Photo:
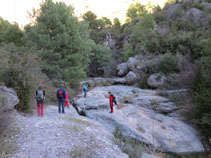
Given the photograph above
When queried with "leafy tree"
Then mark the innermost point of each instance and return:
(202, 89)
(60, 40)
(144, 33)
(99, 59)
(10, 33)
(19, 70)
(135, 12)
(106, 21)
(97, 26)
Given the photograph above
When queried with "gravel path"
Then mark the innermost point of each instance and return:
(63, 136)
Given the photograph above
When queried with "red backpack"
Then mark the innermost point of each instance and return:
(61, 94)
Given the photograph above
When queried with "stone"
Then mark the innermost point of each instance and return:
(156, 80)
(122, 69)
(131, 78)
(141, 119)
(8, 98)
(194, 15)
(131, 63)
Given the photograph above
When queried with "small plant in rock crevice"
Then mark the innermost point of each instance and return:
(128, 145)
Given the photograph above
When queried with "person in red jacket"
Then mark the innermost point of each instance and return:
(111, 100)
(66, 104)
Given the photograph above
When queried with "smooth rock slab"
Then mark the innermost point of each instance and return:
(162, 132)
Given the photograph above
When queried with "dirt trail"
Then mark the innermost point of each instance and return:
(63, 136)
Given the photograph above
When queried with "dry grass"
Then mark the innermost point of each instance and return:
(8, 133)
(127, 99)
(80, 152)
(120, 106)
(74, 128)
(75, 120)
(141, 130)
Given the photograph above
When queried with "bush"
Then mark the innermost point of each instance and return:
(199, 5)
(128, 145)
(202, 89)
(168, 63)
(127, 52)
(20, 71)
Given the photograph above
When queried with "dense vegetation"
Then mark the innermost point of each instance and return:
(56, 47)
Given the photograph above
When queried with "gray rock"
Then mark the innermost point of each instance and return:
(171, 11)
(131, 63)
(138, 119)
(109, 42)
(159, 104)
(131, 78)
(163, 30)
(195, 15)
(119, 80)
(122, 69)
(8, 98)
(207, 5)
(146, 155)
(156, 80)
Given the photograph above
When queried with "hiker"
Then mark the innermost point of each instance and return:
(61, 95)
(84, 89)
(66, 101)
(40, 95)
(112, 100)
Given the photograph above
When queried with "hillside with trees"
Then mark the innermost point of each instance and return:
(57, 47)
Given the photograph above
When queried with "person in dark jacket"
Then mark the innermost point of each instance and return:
(40, 95)
(111, 99)
(61, 95)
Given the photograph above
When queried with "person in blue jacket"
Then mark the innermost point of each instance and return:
(61, 95)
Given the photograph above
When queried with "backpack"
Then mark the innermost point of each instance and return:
(114, 100)
(40, 95)
(60, 94)
(84, 88)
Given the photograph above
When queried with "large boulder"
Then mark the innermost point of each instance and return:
(157, 103)
(156, 80)
(171, 11)
(131, 78)
(8, 98)
(122, 69)
(141, 118)
(195, 15)
(131, 63)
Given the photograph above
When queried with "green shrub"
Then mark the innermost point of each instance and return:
(168, 63)
(2, 101)
(202, 89)
(128, 145)
(143, 84)
(199, 5)
(20, 71)
(127, 52)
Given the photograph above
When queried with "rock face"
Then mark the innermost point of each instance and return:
(131, 78)
(8, 98)
(195, 15)
(122, 69)
(141, 118)
(109, 42)
(156, 81)
(131, 63)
